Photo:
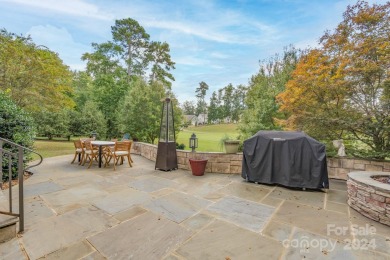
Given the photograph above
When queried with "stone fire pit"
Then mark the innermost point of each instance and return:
(368, 196)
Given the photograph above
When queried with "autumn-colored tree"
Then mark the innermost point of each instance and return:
(341, 89)
(314, 97)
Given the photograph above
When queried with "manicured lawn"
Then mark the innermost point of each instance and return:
(53, 148)
(209, 136)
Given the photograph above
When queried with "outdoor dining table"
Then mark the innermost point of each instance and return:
(100, 144)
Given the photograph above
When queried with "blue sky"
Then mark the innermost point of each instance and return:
(215, 41)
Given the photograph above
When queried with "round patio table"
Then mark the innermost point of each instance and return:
(100, 144)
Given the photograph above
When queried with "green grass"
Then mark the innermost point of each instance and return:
(209, 136)
(53, 148)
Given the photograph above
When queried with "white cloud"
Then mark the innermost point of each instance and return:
(192, 29)
(190, 61)
(232, 31)
(305, 44)
(61, 41)
(69, 7)
(201, 19)
(219, 55)
(217, 67)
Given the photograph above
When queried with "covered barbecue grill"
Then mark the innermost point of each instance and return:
(292, 159)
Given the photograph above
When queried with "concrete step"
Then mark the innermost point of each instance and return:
(7, 227)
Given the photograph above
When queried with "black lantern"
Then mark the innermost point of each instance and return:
(166, 151)
(93, 135)
(193, 142)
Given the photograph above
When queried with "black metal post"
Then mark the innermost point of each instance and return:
(21, 196)
(100, 156)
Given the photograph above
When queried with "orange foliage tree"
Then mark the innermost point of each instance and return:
(341, 90)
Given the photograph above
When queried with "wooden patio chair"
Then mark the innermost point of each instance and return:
(91, 153)
(79, 151)
(131, 143)
(121, 150)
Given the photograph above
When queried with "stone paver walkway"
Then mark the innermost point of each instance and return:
(138, 213)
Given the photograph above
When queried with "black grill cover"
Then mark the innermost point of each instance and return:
(292, 159)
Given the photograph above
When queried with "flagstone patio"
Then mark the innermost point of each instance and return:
(72, 212)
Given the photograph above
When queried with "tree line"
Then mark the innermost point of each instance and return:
(225, 105)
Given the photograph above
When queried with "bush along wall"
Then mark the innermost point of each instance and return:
(17, 126)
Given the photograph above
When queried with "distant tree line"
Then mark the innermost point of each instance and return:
(225, 105)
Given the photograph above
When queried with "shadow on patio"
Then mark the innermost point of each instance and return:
(72, 212)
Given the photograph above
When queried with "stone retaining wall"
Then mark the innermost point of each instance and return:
(217, 162)
(369, 200)
(338, 168)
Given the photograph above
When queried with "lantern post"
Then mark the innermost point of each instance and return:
(193, 142)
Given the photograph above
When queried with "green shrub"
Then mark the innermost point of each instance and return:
(52, 124)
(226, 137)
(17, 126)
(180, 146)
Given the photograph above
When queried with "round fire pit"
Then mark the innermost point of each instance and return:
(382, 178)
(370, 195)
